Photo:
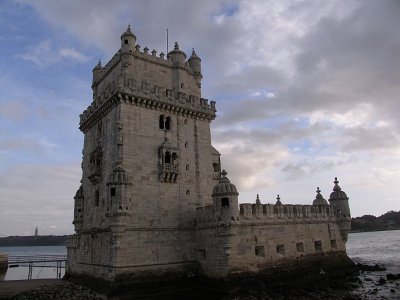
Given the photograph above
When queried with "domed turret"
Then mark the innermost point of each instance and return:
(225, 198)
(195, 63)
(97, 73)
(337, 193)
(319, 199)
(340, 204)
(128, 40)
(339, 200)
(78, 210)
(224, 186)
(176, 55)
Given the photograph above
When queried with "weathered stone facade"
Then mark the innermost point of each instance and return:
(153, 199)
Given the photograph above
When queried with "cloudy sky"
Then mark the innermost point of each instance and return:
(305, 91)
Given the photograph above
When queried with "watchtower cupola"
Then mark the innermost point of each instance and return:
(97, 73)
(225, 196)
(319, 199)
(177, 56)
(195, 63)
(340, 204)
(128, 41)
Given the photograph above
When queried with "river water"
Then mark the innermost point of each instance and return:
(47, 270)
(381, 247)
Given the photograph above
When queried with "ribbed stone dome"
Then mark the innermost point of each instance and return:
(224, 186)
(319, 199)
(128, 32)
(337, 193)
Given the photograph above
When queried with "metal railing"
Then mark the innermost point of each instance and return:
(33, 260)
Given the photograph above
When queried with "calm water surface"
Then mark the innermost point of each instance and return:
(21, 272)
(381, 247)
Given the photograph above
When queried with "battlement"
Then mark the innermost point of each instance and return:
(132, 76)
(269, 213)
(178, 103)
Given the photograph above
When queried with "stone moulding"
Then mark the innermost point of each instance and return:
(89, 119)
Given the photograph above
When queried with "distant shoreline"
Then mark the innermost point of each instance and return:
(41, 240)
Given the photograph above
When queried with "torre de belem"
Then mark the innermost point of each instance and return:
(154, 199)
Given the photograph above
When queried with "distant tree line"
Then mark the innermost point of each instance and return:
(41, 240)
(387, 221)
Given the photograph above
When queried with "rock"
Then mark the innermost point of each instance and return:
(375, 267)
(382, 281)
(391, 276)
(367, 279)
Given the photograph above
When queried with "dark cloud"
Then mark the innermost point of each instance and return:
(302, 87)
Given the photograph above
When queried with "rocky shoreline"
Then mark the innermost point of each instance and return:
(368, 282)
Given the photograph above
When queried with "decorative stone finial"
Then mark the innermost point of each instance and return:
(146, 50)
(278, 200)
(162, 55)
(224, 173)
(129, 28)
(258, 199)
(319, 199)
(336, 187)
(154, 52)
(176, 46)
(137, 47)
(99, 63)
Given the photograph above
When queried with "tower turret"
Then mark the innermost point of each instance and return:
(340, 204)
(225, 198)
(319, 199)
(128, 41)
(78, 210)
(195, 63)
(97, 73)
(177, 56)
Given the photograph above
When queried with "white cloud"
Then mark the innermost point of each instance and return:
(44, 54)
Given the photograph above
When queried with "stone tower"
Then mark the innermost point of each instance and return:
(340, 204)
(147, 164)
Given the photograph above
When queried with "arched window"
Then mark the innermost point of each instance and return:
(164, 122)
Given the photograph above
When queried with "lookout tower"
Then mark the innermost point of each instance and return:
(147, 163)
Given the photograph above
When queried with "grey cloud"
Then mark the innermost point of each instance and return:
(37, 195)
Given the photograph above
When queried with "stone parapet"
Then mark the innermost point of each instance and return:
(191, 107)
(270, 213)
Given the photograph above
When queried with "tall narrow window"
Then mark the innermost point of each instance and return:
(96, 198)
(216, 167)
(113, 191)
(167, 158)
(161, 122)
(168, 123)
